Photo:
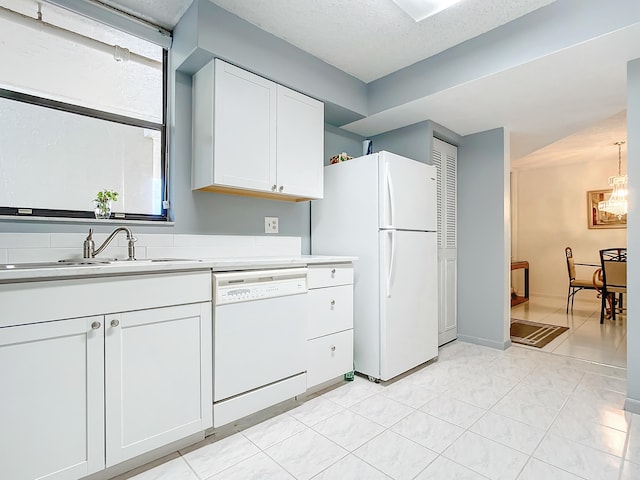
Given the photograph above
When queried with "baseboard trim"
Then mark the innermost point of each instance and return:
(485, 342)
(632, 405)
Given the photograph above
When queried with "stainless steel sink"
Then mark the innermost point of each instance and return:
(88, 262)
(153, 260)
(62, 263)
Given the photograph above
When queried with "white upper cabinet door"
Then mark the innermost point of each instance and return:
(158, 378)
(300, 144)
(244, 129)
(52, 401)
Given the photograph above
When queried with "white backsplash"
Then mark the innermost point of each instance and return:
(39, 247)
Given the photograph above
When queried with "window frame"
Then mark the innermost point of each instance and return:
(27, 212)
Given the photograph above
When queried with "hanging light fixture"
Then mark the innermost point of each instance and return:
(616, 204)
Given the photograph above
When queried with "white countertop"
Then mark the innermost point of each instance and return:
(125, 267)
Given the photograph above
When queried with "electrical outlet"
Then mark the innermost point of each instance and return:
(270, 224)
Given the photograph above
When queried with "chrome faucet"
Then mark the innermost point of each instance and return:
(89, 247)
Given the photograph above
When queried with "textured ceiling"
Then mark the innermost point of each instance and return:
(372, 38)
(365, 38)
(596, 141)
(164, 13)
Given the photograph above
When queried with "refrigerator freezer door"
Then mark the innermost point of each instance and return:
(408, 300)
(407, 194)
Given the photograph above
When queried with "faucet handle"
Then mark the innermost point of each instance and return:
(131, 240)
(89, 246)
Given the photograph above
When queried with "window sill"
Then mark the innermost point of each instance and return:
(115, 221)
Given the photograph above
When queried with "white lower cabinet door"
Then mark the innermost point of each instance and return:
(329, 357)
(158, 378)
(51, 400)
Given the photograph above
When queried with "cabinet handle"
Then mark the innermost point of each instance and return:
(274, 188)
(333, 348)
(281, 188)
(95, 325)
(115, 323)
(333, 303)
(333, 272)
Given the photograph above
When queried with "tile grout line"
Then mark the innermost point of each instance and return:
(625, 448)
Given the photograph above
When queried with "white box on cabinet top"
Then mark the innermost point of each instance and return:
(254, 137)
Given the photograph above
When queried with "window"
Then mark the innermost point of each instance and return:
(82, 109)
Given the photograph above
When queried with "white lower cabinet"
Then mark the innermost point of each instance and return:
(83, 394)
(52, 400)
(330, 323)
(154, 363)
(329, 357)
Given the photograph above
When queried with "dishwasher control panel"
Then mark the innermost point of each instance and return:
(247, 286)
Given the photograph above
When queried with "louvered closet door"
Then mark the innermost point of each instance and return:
(445, 159)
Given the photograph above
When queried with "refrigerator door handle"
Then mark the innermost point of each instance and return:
(392, 238)
(389, 182)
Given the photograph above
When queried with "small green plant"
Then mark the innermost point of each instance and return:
(103, 202)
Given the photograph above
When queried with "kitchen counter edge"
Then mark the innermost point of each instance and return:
(132, 268)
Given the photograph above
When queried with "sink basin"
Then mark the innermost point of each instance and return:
(154, 260)
(62, 263)
(124, 261)
(83, 262)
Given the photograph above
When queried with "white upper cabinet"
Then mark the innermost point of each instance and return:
(254, 137)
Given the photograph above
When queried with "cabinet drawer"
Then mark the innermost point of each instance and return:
(330, 310)
(329, 357)
(330, 275)
(32, 302)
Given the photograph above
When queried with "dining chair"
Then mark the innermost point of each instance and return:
(614, 280)
(576, 284)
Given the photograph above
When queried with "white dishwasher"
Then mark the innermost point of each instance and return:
(259, 338)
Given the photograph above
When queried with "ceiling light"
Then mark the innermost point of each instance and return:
(616, 204)
(421, 9)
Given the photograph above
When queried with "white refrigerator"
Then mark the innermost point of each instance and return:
(382, 208)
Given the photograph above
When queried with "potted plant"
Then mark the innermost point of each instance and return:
(103, 201)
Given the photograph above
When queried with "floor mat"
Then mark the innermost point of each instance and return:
(534, 334)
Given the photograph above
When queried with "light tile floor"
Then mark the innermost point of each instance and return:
(586, 339)
(475, 413)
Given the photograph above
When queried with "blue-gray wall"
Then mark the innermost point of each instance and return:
(415, 141)
(337, 141)
(482, 270)
(411, 142)
(633, 236)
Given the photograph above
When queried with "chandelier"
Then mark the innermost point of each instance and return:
(616, 204)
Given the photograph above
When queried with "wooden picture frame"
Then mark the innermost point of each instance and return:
(596, 218)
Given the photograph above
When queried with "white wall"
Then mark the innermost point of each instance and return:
(632, 402)
(550, 213)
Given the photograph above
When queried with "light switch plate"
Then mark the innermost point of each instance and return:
(270, 224)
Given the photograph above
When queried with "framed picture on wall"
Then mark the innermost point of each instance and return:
(600, 219)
